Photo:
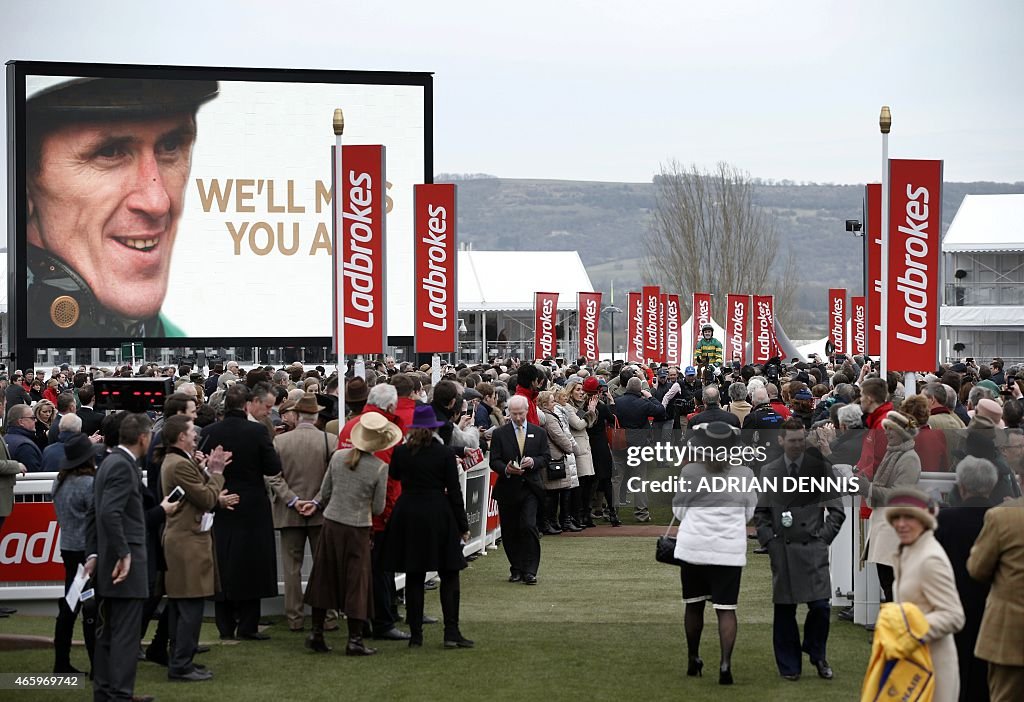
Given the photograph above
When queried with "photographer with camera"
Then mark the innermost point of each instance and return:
(680, 399)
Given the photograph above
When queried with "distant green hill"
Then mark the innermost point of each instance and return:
(606, 223)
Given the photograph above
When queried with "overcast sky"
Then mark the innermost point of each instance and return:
(609, 91)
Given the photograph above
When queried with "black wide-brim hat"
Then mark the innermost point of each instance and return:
(115, 98)
(77, 452)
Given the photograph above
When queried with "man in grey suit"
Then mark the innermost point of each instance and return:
(794, 528)
(116, 542)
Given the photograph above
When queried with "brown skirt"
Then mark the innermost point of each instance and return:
(340, 578)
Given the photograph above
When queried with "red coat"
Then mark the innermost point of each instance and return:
(531, 398)
(394, 487)
(930, 445)
(51, 395)
(874, 447)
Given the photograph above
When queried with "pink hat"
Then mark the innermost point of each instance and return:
(992, 410)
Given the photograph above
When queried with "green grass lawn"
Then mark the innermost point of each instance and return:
(605, 623)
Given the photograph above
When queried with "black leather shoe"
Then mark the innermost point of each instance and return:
(515, 578)
(461, 642)
(530, 579)
(570, 527)
(724, 676)
(415, 642)
(550, 530)
(761, 549)
(316, 643)
(791, 678)
(201, 649)
(194, 675)
(8, 610)
(393, 634)
(356, 647)
(695, 667)
(257, 636)
(427, 619)
(824, 669)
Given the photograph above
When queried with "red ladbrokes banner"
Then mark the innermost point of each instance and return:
(837, 318)
(363, 191)
(436, 323)
(912, 289)
(701, 314)
(765, 346)
(858, 325)
(738, 310)
(589, 315)
(652, 322)
(873, 234)
(635, 328)
(545, 307)
(30, 545)
(673, 325)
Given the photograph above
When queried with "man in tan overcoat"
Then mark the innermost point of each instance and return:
(305, 452)
(998, 558)
(188, 541)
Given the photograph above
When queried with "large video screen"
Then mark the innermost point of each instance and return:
(169, 203)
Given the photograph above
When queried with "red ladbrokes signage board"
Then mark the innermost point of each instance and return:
(873, 234)
(858, 325)
(765, 346)
(837, 318)
(436, 314)
(652, 322)
(738, 309)
(30, 545)
(545, 310)
(635, 327)
(362, 248)
(915, 236)
(589, 314)
(673, 325)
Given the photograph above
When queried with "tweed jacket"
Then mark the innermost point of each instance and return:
(305, 453)
(191, 563)
(998, 557)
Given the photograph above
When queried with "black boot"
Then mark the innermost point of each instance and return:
(569, 525)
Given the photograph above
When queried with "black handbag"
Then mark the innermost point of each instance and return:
(665, 549)
(556, 469)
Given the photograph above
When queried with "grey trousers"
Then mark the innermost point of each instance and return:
(117, 648)
(185, 620)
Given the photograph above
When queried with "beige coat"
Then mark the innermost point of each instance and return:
(560, 444)
(578, 428)
(924, 576)
(882, 540)
(305, 453)
(191, 561)
(998, 557)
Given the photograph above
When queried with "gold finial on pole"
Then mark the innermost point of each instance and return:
(339, 122)
(884, 120)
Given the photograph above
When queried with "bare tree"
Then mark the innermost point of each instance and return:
(709, 236)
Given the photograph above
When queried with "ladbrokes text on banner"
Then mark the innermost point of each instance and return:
(30, 544)
(436, 254)
(912, 290)
(545, 310)
(701, 314)
(661, 327)
(673, 324)
(858, 325)
(837, 318)
(589, 314)
(635, 328)
(873, 235)
(652, 322)
(362, 248)
(737, 307)
(765, 346)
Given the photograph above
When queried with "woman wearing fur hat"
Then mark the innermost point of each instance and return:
(900, 468)
(925, 578)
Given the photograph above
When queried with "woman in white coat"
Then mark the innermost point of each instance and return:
(925, 578)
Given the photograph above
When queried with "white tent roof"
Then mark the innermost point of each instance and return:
(490, 281)
(987, 223)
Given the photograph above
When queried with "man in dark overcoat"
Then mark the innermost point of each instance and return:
(116, 543)
(246, 550)
(519, 450)
(797, 529)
